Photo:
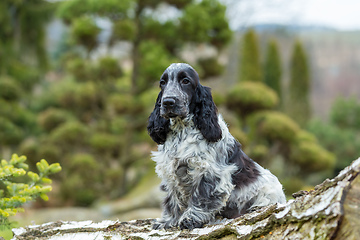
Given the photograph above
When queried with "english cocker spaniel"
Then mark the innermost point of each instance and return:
(203, 169)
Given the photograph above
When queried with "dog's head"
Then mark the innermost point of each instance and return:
(182, 95)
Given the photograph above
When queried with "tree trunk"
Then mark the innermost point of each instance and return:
(330, 211)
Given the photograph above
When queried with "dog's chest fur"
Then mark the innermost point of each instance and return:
(186, 157)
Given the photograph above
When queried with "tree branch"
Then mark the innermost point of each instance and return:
(330, 211)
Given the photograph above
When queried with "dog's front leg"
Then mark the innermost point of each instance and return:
(171, 212)
(207, 199)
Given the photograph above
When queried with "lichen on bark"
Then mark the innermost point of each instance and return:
(330, 211)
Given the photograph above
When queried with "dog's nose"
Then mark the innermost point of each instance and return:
(168, 102)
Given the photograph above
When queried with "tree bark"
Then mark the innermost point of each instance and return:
(330, 211)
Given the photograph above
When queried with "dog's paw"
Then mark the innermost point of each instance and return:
(190, 224)
(161, 225)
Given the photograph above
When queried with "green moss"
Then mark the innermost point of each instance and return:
(248, 97)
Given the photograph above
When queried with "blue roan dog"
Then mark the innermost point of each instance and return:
(203, 169)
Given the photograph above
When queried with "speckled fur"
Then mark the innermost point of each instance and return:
(204, 175)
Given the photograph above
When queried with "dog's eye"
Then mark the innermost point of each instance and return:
(162, 82)
(185, 81)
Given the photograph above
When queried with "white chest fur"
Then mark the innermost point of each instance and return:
(185, 145)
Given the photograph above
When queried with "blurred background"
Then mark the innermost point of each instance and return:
(79, 78)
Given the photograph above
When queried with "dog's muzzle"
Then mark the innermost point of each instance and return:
(170, 108)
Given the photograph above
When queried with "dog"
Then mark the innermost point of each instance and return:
(203, 169)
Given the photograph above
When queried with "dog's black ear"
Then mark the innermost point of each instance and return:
(158, 127)
(205, 115)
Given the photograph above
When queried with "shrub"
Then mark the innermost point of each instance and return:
(9, 132)
(69, 133)
(81, 69)
(248, 97)
(312, 157)
(84, 32)
(123, 29)
(108, 68)
(9, 89)
(121, 103)
(274, 126)
(343, 142)
(15, 194)
(210, 67)
(105, 142)
(345, 113)
(52, 118)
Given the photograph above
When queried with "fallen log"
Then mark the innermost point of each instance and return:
(330, 211)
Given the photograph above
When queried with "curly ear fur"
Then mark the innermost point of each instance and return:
(158, 127)
(205, 115)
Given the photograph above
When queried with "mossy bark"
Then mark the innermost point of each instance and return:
(330, 211)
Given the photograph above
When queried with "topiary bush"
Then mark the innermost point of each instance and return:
(312, 157)
(70, 133)
(274, 126)
(52, 118)
(10, 90)
(84, 32)
(210, 67)
(108, 68)
(123, 29)
(247, 97)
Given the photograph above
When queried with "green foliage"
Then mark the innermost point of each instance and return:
(274, 126)
(250, 68)
(9, 89)
(312, 157)
(247, 97)
(210, 67)
(14, 194)
(71, 9)
(52, 118)
(343, 142)
(123, 29)
(108, 68)
(84, 32)
(70, 133)
(81, 69)
(345, 113)
(272, 68)
(299, 102)
(154, 59)
(9, 132)
(205, 21)
(105, 142)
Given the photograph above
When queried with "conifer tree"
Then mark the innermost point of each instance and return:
(299, 105)
(272, 68)
(250, 69)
